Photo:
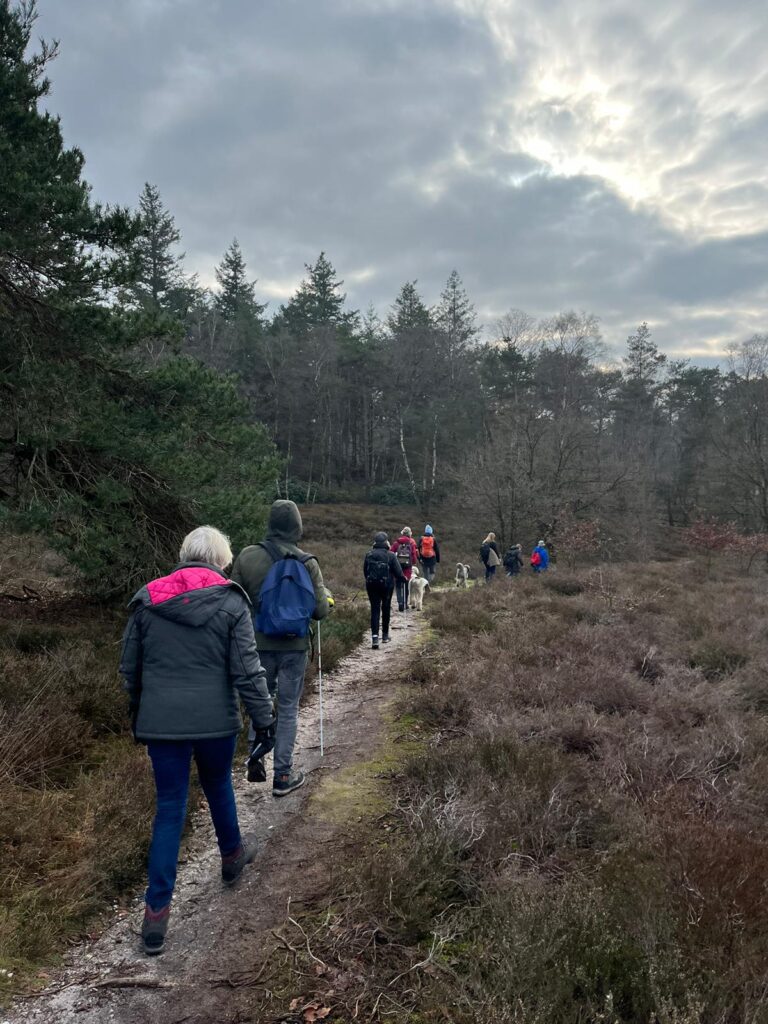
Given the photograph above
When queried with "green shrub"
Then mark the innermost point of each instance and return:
(391, 495)
(717, 658)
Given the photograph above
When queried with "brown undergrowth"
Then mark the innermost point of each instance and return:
(76, 793)
(585, 837)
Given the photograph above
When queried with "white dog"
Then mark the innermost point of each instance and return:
(417, 587)
(462, 574)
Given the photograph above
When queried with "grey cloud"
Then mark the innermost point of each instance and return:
(385, 133)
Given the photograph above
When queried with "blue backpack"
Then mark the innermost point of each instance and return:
(287, 596)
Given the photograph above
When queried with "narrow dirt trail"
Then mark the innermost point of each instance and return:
(216, 932)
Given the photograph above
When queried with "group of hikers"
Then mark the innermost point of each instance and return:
(513, 558)
(389, 567)
(198, 642)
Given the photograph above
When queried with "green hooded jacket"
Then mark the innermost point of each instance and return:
(253, 563)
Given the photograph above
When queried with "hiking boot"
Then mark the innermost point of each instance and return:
(375, 642)
(285, 784)
(153, 929)
(232, 865)
(386, 638)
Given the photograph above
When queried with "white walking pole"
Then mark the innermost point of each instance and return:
(320, 686)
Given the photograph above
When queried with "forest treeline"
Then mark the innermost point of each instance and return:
(529, 425)
(135, 401)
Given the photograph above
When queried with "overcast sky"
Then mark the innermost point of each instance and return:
(604, 155)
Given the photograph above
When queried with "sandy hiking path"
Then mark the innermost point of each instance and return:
(216, 933)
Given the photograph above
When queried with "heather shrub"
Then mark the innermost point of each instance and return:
(584, 837)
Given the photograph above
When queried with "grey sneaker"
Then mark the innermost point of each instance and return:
(232, 865)
(285, 784)
(153, 929)
(375, 642)
(386, 638)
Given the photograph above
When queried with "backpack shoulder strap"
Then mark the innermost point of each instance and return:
(272, 550)
(277, 555)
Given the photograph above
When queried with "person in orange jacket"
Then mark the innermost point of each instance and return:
(429, 553)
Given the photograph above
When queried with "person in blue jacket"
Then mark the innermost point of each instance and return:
(540, 557)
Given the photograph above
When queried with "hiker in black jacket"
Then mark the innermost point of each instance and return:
(382, 570)
(513, 560)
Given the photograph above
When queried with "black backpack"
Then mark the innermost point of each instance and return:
(377, 569)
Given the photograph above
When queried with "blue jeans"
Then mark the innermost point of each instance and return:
(171, 762)
(285, 677)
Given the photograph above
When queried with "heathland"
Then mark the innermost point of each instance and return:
(575, 829)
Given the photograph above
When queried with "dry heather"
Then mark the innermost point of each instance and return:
(585, 837)
(73, 837)
(71, 833)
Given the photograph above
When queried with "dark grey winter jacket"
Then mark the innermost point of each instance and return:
(380, 552)
(188, 653)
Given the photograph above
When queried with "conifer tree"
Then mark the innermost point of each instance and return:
(236, 299)
(158, 275)
(643, 360)
(319, 301)
(408, 311)
(455, 315)
(109, 457)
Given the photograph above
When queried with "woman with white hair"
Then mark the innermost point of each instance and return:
(188, 654)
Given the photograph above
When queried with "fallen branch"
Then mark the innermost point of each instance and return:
(133, 983)
(285, 942)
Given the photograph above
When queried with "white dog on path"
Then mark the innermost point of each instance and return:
(417, 587)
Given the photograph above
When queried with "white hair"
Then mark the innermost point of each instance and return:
(206, 544)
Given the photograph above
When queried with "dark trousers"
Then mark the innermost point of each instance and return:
(402, 594)
(381, 606)
(490, 572)
(171, 763)
(430, 568)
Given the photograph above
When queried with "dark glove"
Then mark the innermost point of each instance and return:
(263, 742)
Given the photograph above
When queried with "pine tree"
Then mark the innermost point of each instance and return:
(236, 299)
(110, 458)
(56, 247)
(455, 315)
(158, 268)
(408, 311)
(319, 301)
(643, 361)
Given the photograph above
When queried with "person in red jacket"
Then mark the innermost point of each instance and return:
(407, 555)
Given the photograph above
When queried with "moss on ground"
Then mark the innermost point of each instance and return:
(362, 791)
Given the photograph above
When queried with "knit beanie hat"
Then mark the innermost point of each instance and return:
(407, 531)
(428, 530)
(381, 540)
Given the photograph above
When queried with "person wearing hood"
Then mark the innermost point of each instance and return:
(429, 553)
(188, 654)
(513, 560)
(540, 557)
(284, 657)
(382, 571)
